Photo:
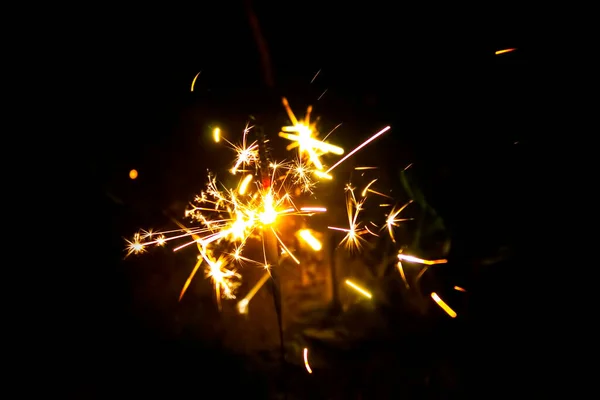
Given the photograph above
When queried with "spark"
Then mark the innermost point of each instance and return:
(458, 288)
(315, 77)
(244, 184)
(420, 260)
(303, 134)
(333, 130)
(364, 192)
(322, 94)
(306, 361)
(504, 51)
(392, 221)
(364, 168)
(353, 238)
(133, 174)
(313, 242)
(358, 289)
(194, 81)
(363, 144)
(227, 216)
(443, 305)
(242, 305)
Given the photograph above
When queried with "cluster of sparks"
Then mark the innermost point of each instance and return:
(227, 218)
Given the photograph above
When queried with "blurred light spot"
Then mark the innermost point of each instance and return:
(498, 52)
(217, 135)
(133, 174)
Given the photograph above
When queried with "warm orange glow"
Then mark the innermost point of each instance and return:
(504, 51)
(133, 174)
(459, 289)
(443, 305)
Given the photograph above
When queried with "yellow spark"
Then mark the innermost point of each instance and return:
(392, 221)
(133, 174)
(312, 241)
(498, 52)
(459, 289)
(353, 238)
(322, 175)
(443, 305)
(364, 192)
(306, 361)
(303, 135)
(363, 144)
(364, 168)
(242, 305)
(244, 184)
(420, 260)
(358, 289)
(135, 246)
(217, 135)
(194, 81)
(401, 269)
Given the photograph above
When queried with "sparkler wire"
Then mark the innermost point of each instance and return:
(270, 242)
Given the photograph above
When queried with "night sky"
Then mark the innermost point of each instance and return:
(462, 115)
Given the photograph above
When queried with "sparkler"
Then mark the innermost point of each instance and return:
(228, 218)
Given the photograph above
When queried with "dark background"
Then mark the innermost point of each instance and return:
(468, 119)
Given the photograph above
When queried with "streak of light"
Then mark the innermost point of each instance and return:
(217, 135)
(366, 142)
(133, 174)
(407, 167)
(285, 248)
(379, 193)
(194, 81)
(242, 305)
(401, 269)
(385, 205)
(322, 175)
(459, 289)
(420, 260)
(312, 241)
(331, 131)
(322, 94)
(313, 209)
(443, 305)
(244, 184)
(315, 77)
(364, 192)
(504, 51)
(358, 289)
(364, 168)
(392, 221)
(306, 361)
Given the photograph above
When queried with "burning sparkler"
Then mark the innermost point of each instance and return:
(228, 218)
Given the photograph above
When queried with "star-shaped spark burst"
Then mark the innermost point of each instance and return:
(303, 135)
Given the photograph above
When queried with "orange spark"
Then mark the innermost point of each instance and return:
(443, 305)
(498, 52)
